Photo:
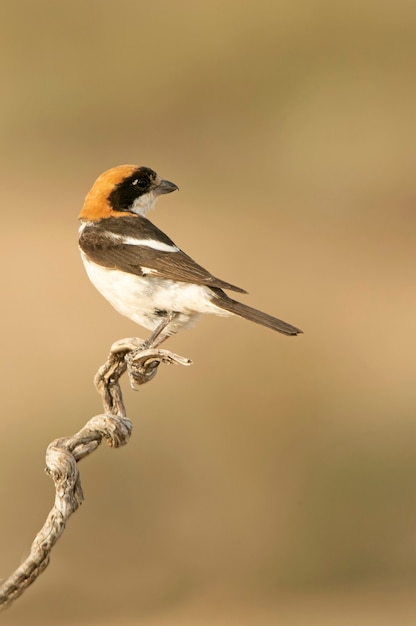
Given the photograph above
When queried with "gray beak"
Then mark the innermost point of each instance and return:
(165, 186)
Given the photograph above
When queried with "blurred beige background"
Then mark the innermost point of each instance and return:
(274, 482)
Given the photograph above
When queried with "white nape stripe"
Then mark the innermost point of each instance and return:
(148, 243)
(83, 225)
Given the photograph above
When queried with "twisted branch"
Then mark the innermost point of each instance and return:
(62, 455)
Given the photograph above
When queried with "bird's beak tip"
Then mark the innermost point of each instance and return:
(165, 186)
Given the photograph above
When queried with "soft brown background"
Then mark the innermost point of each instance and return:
(274, 482)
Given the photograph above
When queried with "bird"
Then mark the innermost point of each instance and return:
(140, 270)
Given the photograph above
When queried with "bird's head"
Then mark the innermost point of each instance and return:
(125, 189)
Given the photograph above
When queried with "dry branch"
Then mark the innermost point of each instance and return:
(62, 455)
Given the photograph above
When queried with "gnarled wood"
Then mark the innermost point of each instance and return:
(62, 455)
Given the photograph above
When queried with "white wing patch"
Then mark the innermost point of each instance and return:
(148, 271)
(148, 243)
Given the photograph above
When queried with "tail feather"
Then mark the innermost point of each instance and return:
(257, 316)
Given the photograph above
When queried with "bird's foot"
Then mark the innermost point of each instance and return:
(142, 363)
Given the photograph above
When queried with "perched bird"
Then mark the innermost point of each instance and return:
(141, 272)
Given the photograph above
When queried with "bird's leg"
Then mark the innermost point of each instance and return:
(156, 338)
(142, 363)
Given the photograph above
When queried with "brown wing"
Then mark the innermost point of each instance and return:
(105, 250)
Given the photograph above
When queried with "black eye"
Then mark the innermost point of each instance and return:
(142, 183)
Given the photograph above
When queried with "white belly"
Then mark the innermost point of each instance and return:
(140, 298)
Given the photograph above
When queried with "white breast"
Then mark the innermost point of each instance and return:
(140, 297)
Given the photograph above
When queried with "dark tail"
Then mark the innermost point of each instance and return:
(256, 316)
